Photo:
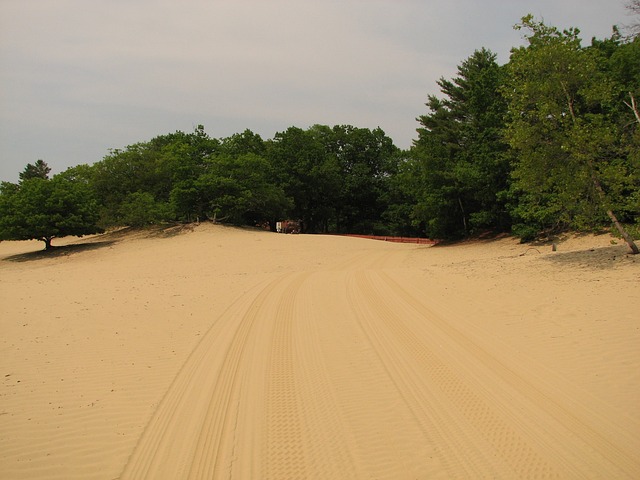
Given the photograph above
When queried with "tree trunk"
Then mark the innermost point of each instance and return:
(624, 233)
(612, 216)
(633, 106)
(464, 217)
(47, 242)
(600, 190)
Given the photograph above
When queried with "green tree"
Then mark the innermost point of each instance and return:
(365, 159)
(401, 198)
(247, 194)
(38, 170)
(338, 177)
(236, 190)
(243, 143)
(44, 209)
(307, 173)
(460, 156)
(141, 208)
(572, 165)
(124, 172)
(164, 167)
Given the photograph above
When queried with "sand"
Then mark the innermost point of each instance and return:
(217, 352)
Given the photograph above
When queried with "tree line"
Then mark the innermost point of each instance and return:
(545, 143)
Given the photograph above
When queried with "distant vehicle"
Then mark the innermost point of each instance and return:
(288, 226)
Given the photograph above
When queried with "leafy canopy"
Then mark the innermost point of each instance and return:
(42, 209)
(567, 131)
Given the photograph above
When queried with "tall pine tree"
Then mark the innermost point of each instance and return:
(460, 155)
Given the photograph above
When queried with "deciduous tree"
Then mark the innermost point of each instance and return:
(43, 209)
(571, 165)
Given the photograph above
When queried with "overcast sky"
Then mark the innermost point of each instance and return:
(80, 77)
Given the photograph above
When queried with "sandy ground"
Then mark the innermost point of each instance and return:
(216, 352)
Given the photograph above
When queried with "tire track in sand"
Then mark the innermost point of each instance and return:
(378, 436)
(188, 435)
(306, 434)
(505, 410)
(251, 401)
(576, 435)
(458, 453)
(285, 446)
(471, 414)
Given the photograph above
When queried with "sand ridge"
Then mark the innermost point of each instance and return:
(217, 352)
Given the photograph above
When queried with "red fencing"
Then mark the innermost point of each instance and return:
(420, 241)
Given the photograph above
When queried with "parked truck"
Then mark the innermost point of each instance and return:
(288, 226)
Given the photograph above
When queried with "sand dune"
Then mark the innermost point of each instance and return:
(217, 352)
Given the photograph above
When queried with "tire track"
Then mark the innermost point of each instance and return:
(360, 425)
(220, 415)
(588, 442)
(304, 434)
(460, 456)
(269, 393)
(573, 448)
(312, 431)
(286, 456)
(185, 437)
(331, 452)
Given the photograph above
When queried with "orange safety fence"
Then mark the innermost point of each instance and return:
(421, 241)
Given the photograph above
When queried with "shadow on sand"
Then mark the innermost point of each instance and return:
(602, 258)
(105, 240)
(56, 252)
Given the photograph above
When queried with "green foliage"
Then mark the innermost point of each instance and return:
(242, 144)
(338, 177)
(141, 208)
(402, 214)
(188, 177)
(43, 209)
(459, 154)
(155, 168)
(308, 174)
(238, 190)
(38, 170)
(570, 139)
(547, 142)
(365, 159)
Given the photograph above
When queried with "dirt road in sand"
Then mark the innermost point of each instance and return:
(376, 363)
